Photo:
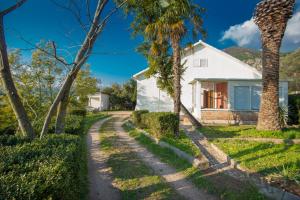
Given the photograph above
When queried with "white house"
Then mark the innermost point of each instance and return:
(98, 101)
(216, 88)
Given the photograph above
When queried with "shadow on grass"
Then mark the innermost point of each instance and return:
(221, 185)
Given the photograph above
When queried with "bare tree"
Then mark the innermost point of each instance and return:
(6, 77)
(271, 16)
(96, 27)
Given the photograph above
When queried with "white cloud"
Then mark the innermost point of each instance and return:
(247, 34)
(243, 34)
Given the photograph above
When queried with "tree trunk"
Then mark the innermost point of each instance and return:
(268, 118)
(61, 114)
(191, 118)
(12, 94)
(177, 77)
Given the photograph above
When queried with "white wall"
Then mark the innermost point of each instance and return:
(149, 97)
(99, 101)
(220, 66)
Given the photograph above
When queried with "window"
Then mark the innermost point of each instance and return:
(203, 62)
(255, 97)
(242, 97)
(281, 96)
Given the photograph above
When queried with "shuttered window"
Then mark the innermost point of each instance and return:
(242, 97)
(255, 97)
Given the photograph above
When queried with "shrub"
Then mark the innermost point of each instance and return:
(80, 112)
(294, 109)
(136, 117)
(160, 123)
(73, 124)
(51, 168)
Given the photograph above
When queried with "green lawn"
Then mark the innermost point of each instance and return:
(268, 159)
(244, 131)
(219, 185)
(132, 177)
(182, 142)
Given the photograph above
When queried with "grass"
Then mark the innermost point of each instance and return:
(183, 143)
(267, 159)
(247, 131)
(131, 176)
(219, 185)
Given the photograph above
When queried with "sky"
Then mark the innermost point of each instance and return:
(227, 23)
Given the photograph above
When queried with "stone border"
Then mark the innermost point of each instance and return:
(264, 187)
(201, 163)
(267, 140)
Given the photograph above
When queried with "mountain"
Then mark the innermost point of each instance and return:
(289, 63)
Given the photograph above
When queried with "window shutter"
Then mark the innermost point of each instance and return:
(242, 98)
(255, 97)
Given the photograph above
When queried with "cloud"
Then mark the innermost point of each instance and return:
(247, 34)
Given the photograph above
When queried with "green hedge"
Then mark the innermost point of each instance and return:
(160, 123)
(136, 117)
(73, 124)
(294, 109)
(80, 112)
(51, 168)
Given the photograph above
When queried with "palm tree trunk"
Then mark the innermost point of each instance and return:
(12, 94)
(177, 77)
(268, 118)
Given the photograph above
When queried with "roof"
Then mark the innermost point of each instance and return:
(200, 42)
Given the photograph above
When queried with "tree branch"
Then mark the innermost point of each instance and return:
(12, 8)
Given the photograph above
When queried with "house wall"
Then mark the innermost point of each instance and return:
(228, 117)
(150, 97)
(104, 104)
(220, 66)
(99, 102)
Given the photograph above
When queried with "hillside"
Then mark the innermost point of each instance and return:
(289, 67)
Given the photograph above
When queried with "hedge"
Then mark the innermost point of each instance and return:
(73, 124)
(136, 117)
(294, 109)
(79, 112)
(51, 168)
(160, 123)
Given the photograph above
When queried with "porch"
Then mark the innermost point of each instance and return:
(226, 101)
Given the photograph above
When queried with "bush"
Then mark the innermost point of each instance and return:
(294, 109)
(51, 168)
(136, 117)
(160, 123)
(79, 112)
(73, 124)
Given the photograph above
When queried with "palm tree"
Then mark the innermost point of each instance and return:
(168, 21)
(271, 16)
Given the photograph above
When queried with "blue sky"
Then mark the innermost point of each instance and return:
(227, 22)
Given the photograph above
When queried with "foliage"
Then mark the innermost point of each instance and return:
(137, 117)
(283, 116)
(73, 124)
(294, 109)
(122, 97)
(51, 168)
(84, 86)
(245, 131)
(160, 123)
(223, 189)
(80, 112)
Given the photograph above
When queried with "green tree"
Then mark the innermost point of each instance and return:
(164, 24)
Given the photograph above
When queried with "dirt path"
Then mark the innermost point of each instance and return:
(175, 179)
(101, 187)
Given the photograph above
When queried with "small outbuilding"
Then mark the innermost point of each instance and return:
(98, 101)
